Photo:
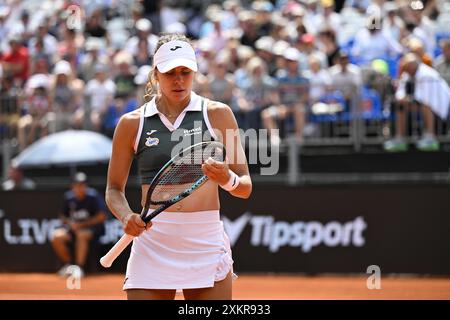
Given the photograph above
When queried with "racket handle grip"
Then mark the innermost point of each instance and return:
(107, 260)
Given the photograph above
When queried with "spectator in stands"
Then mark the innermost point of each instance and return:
(93, 56)
(4, 28)
(10, 102)
(233, 56)
(152, 10)
(95, 27)
(143, 35)
(17, 181)
(207, 25)
(392, 24)
(373, 43)
(34, 124)
(217, 38)
(39, 57)
(137, 12)
(329, 18)
(69, 45)
(124, 79)
(329, 46)
(40, 76)
(241, 75)
(125, 99)
(99, 94)
(230, 13)
(16, 62)
(297, 16)
(279, 26)
(263, 10)
(66, 97)
(319, 79)
(310, 14)
(220, 83)
(143, 56)
(24, 27)
(206, 56)
(346, 78)
(293, 91)
(442, 63)
(82, 220)
(264, 48)
(360, 5)
(278, 50)
(416, 46)
(256, 93)
(422, 26)
(50, 43)
(307, 46)
(247, 23)
(420, 89)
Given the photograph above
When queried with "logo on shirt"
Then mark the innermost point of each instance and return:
(151, 142)
(192, 131)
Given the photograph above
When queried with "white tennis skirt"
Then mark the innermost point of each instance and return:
(182, 250)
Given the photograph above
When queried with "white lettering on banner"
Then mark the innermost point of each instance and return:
(234, 228)
(267, 232)
(25, 225)
(32, 231)
(258, 224)
(9, 238)
(113, 232)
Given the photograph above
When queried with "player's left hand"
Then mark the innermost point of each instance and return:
(216, 170)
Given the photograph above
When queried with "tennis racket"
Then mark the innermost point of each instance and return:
(179, 177)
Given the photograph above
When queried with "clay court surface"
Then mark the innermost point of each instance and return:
(247, 287)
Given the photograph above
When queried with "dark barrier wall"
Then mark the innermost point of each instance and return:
(337, 229)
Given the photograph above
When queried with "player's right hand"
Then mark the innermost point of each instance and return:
(134, 225)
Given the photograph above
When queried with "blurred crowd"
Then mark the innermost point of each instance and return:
(277, 64)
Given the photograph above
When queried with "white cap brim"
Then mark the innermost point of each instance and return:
(164, 67)
(175, 54)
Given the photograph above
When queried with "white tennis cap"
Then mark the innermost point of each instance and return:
(292, 54)
(62, 67)
(174, 54)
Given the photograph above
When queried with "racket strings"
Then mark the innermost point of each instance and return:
(183, 173)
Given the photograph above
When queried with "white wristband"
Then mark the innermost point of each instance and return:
(232, 183)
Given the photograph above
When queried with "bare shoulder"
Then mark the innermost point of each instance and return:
(220, 115)
(128, 124)
(131, 118)
(217, 109)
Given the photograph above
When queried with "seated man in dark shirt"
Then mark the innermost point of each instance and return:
(83, 215)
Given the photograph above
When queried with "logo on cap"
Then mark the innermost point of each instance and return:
(175, 48)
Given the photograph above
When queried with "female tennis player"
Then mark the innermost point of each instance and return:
(184, 247)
